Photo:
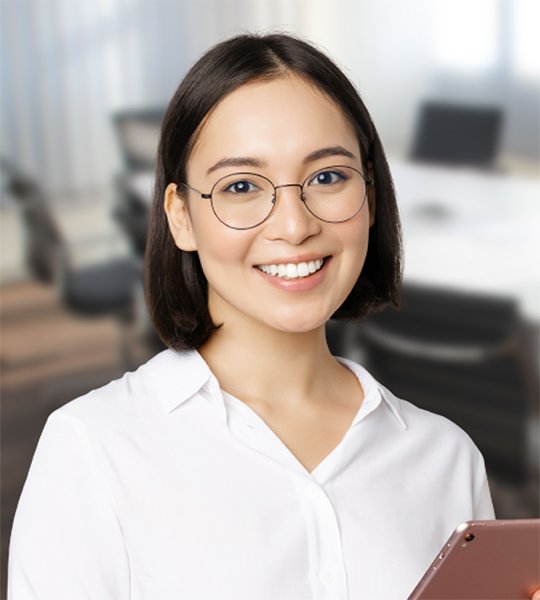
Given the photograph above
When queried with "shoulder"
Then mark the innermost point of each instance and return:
(436, 435)
(142, 394)
(421, 427)
(97, 435)
(433, 425)
(445, 453)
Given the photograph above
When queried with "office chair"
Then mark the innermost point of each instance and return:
(457, 134)
(467, 357)
(137, 132)
(105, 288)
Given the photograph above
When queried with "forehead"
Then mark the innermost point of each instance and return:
(287, 115)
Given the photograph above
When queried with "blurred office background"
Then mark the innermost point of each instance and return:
(453, 87)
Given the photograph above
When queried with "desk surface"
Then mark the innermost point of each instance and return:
(471, 230)
(462, 229)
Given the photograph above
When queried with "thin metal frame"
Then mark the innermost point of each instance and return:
(368, 181)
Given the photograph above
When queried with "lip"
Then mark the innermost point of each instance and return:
(302, 284)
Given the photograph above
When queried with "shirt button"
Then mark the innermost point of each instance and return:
(326, 576)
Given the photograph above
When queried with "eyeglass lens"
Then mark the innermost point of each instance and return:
(244, 200)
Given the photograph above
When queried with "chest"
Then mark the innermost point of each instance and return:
(214, 509)
(311, 435)
(221, 520)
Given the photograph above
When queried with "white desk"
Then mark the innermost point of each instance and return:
(472, 231)
(462, 229)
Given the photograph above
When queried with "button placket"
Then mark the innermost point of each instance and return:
(328, 576)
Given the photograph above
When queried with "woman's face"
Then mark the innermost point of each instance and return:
(284, 129)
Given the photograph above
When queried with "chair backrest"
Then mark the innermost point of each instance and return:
(138, 133)
(463, 356)
(44, 245)
(457, 134)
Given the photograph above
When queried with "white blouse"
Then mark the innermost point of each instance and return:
(159, 486)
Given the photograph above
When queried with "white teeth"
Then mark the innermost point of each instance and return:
(293, 270)
(303, 269)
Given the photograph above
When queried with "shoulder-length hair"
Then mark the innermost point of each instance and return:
(176, 288)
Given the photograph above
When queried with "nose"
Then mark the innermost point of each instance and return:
(291, 221)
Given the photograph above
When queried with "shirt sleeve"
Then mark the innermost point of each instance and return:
(66, 541)
(483, 505)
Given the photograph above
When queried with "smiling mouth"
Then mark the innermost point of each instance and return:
(292, 270)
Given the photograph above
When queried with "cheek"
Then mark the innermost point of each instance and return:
(355, 241)
(355, 246)
(218, 246)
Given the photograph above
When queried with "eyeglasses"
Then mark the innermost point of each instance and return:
(334, 194)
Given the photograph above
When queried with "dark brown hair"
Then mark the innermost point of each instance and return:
(176, 288)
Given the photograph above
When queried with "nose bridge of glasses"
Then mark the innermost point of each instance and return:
(286, 185)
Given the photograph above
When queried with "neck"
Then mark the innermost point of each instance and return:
(270, 366)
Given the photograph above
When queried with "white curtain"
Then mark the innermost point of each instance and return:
(67, 65)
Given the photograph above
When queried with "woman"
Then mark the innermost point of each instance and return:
(246, 462)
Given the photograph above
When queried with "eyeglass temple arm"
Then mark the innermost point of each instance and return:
(185, 185)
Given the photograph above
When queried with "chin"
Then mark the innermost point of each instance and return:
(299, 328)
(299, 323)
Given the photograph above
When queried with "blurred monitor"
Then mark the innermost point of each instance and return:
(457, 134)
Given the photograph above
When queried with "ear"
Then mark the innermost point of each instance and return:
(179, 219)
(370, 190)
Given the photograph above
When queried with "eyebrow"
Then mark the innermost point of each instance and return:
(247, 161)
(327, 152)
(237, 161)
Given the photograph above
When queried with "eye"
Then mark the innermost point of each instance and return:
(242, 186)
(327, 178)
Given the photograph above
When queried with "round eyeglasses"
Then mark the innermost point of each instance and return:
(244, 200)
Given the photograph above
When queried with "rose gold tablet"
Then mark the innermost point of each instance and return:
(485, 560)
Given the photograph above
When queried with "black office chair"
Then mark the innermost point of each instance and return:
(466, 356)
(105, 288)
(137, 131)
(457, 134)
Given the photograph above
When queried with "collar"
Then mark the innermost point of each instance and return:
(174, 377)
(374, 394)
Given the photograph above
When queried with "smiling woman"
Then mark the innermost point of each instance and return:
(266, 224)
(246, 462)
(332, 127)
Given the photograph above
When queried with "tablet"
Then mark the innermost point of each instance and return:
(485, 560)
